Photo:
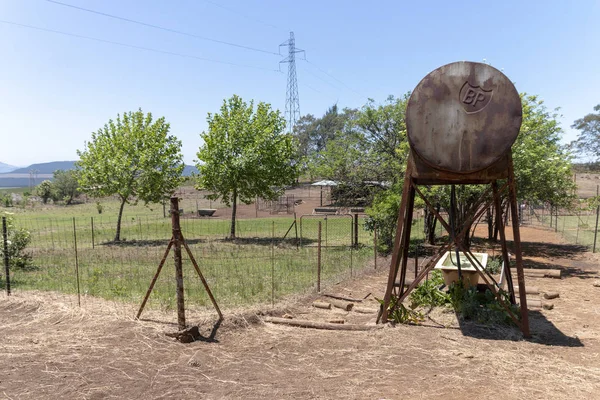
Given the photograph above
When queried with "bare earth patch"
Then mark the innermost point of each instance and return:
(51, 349)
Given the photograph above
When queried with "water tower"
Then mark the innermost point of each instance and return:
(462, 120)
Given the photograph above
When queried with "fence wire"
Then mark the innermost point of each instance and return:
(270, 258)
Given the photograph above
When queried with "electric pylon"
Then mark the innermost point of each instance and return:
(292, 101)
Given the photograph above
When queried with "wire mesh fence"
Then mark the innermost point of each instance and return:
(269, 259)
(577, 226)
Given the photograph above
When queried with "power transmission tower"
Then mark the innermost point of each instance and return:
(292, 101)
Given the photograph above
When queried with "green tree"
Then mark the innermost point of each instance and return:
(133, 158)
(45, 190)
(65, 185)
(588, 142)
(245, 154)
(18, 240)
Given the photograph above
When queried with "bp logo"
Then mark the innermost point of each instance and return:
(474, 98)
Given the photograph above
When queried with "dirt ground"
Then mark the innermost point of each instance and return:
(50, 349)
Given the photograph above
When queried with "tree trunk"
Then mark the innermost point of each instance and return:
(118, 235)
(233, 212)
(430, 224)
(490, 223)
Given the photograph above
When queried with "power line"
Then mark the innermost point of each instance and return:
(336, 79)
(244, 15)
(162, 28)
(171, 53)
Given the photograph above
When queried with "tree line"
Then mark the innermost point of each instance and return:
(247, 153)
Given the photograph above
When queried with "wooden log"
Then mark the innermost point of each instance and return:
(364, 310)
(551, 295)
(533, 303)
(540, 273)
(344, 305)
(321, 304)
(338, 297)
(321, 325)
(528, 290)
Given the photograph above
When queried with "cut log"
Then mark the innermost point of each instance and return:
(321, 325)
(365, 310)
(551, 295)
(344, 305)
(338, 297)
(528, 290)
(532, 303)
(539, 273)
(321, 304)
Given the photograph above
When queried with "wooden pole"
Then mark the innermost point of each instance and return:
(272, 263)
(356, 230)
(597, 214)
(319, 259)
(296, 228)
(92, 220)
(375, 247)
(154, 279)
(76, 264)
(178, 263)
(5, 243)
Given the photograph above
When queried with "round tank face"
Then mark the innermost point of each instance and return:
(463, 117)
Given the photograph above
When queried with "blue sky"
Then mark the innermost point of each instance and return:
(56, 89)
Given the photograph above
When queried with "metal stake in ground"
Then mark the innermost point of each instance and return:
(6, 268)
(178, 264)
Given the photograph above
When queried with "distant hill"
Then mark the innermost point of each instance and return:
(46, 168)
(6, 168)
(21, 177)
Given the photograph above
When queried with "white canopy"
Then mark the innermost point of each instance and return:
(325, 183)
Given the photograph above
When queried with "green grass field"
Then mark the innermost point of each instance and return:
(257, 267)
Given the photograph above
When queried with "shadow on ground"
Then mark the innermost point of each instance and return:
(542, 332)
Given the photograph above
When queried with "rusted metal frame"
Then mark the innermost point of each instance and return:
(505, 258)
(155, 278)
(512, 194)
(427, 268)
(395, 263)
(195, 264)
(406, 235)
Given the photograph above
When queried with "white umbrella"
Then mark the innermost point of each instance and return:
(325, 183)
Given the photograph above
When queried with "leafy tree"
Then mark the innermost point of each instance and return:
(245, 154)
(66, 186)
(45, 190)
(18, 240)
(588, 142)
(133, 158)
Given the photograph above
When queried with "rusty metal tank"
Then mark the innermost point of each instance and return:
(463, 117)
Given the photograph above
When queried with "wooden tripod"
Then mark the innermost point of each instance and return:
(418, 173)
(176, 241)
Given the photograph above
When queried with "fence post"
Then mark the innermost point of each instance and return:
(597, 213)
(375, 246)
(272, 263)
(178, 264)
(76, 263)
(319, 259)
(93, 245)
(296, 228)
(5, 244)
(356, 230)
